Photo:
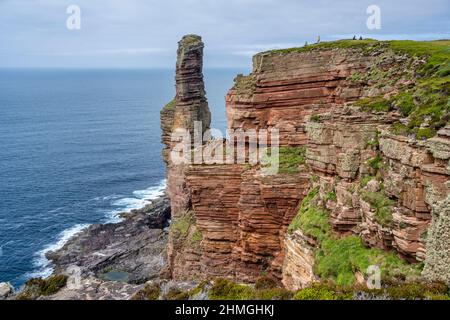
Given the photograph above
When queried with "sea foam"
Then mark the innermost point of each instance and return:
(140, 198)
(44, 266)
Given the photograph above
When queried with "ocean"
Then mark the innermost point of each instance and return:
(78, 147)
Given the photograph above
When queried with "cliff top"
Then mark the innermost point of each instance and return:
(409, 77)
(437, 51)
(190, 39)
(408, 46)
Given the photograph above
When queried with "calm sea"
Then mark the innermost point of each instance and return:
(76, 148)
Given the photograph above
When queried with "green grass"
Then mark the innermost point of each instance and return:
(185, 229)
(428, 100)
(180, 226)
(36, 287)
(376, 163)
(171, 105)
(314, 118)
(366, 45)
(289, 159)
(197, 236)
(176, 294)
(427, 103)
(438, 53)
(149, 292)
(365, 180)
(416, 290)
(322, 291)
(377, 104)
(224, 289)
(382, 205)
(313, 221)
(338, 259)
(330, 196)
(404, 101)
(395, 291)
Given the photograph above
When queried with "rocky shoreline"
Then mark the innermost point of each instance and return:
(113, 260)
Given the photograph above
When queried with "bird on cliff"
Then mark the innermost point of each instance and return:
(354, 37)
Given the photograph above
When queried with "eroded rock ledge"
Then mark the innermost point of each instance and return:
(113, 261)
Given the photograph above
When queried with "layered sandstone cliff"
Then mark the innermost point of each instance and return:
(335, 107)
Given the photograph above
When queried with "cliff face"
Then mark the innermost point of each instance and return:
(189, 106)
(335, 108)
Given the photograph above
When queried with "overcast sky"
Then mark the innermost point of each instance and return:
(144, 33)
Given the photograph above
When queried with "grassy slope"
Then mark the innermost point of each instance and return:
(337, 259)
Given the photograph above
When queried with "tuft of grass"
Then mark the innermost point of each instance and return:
(171, 105)
(176, 294)
(377, 104)
(289, 159)
(37, 287)
(330, 196)
(376, 163)
(273, 294)
(314, 118)
(365, 180)
(180, 226)
(149, 292)
(224, 289)
(382, 205)
(404, 101)
(418, 291)
(313, 221)
(197, 236)
(322, 291)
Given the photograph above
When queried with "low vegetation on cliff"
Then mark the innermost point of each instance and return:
(289, 159)
(339, 258)
(269, 289)
(185, 228)
(37, 287)
(422, 86)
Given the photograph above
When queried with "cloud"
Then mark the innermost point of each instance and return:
(144, 33)
(102, 52)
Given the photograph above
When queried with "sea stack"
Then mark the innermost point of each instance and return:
(188, 106)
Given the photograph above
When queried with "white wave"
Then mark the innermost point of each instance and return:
(141, 199)
(43, 265)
